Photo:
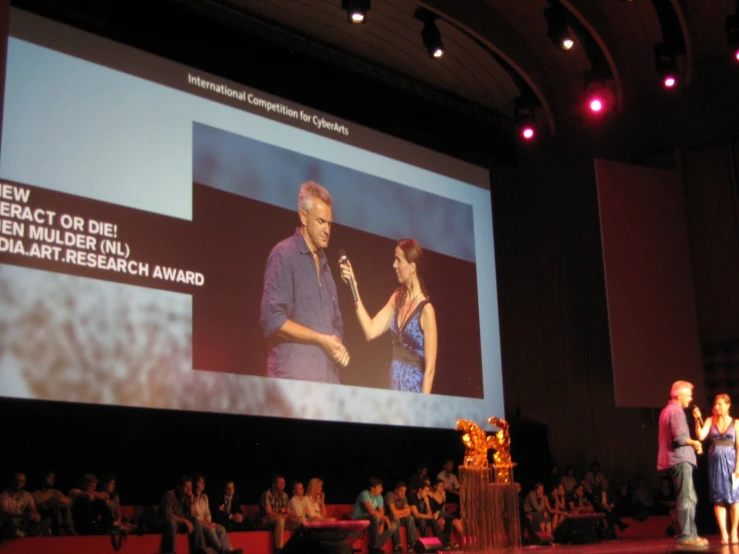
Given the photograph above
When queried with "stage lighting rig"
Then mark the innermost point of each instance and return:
(558, 29)
(525, 118)
(600, 96)
(356, 10)
(430, 33)
(666, 66)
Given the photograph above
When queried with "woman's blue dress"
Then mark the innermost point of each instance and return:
(409, 362)
(721, 464)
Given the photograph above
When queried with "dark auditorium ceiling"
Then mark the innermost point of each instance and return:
(496, 50)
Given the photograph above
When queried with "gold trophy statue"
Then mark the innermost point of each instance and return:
(488, 496)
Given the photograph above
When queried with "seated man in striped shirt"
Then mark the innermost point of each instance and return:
(274, 512)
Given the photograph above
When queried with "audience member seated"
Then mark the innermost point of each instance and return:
(602, 503)
(664, 503)
(18, 514)
(642, 500)
(214, 535)
(424, 517)
(415, 480)
(568, 479)
(579, 503)
(554, 477)
(400, 513)
(593, 478)
(521, 514)
(107, 485)
(557, 506)
(535, 507)
(177, 512)
(90, 510)
(451, 483)
(622, 501)
(226, 509)
(369, 505)
(664, 497)
(315, 501)
(298, 504)
(273, 509)
(437, 500)
(52, 503)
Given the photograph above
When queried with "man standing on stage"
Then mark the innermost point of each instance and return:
(677, 456)
(300, 313)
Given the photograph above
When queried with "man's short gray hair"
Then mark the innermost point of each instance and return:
(308, 192)
(679, 386)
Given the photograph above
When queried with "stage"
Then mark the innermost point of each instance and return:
(255, 542)
(640, 546)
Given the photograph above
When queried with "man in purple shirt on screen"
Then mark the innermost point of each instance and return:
(677, 457)
(300, 314)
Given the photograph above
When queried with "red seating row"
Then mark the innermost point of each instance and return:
(253, 542)
(149, 513)
(338, 511)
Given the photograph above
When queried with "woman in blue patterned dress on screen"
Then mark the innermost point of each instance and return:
(410, 318)
(722, 431)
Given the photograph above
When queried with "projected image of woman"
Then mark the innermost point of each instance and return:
(410, 318)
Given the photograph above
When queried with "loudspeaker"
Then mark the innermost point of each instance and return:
(542, 537)
(578, 530)
(318, 541)
(430, 544)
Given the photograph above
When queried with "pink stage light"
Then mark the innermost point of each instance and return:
(528, 132)
(599, 99)
(736, 55)
(669, 81)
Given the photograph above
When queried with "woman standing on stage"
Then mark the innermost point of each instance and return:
(722, 431)
(410, 318)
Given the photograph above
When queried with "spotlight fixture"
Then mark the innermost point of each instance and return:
(528, 132)
(432, 40)
(525, 118)
(558, 30)
(595, 103)
(666, 66)
(356, 10)
(732, 34)
(430, 33)
(599, 96)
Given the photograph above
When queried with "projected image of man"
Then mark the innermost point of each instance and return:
(300, 314)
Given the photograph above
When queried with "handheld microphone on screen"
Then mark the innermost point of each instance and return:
(344, 259)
